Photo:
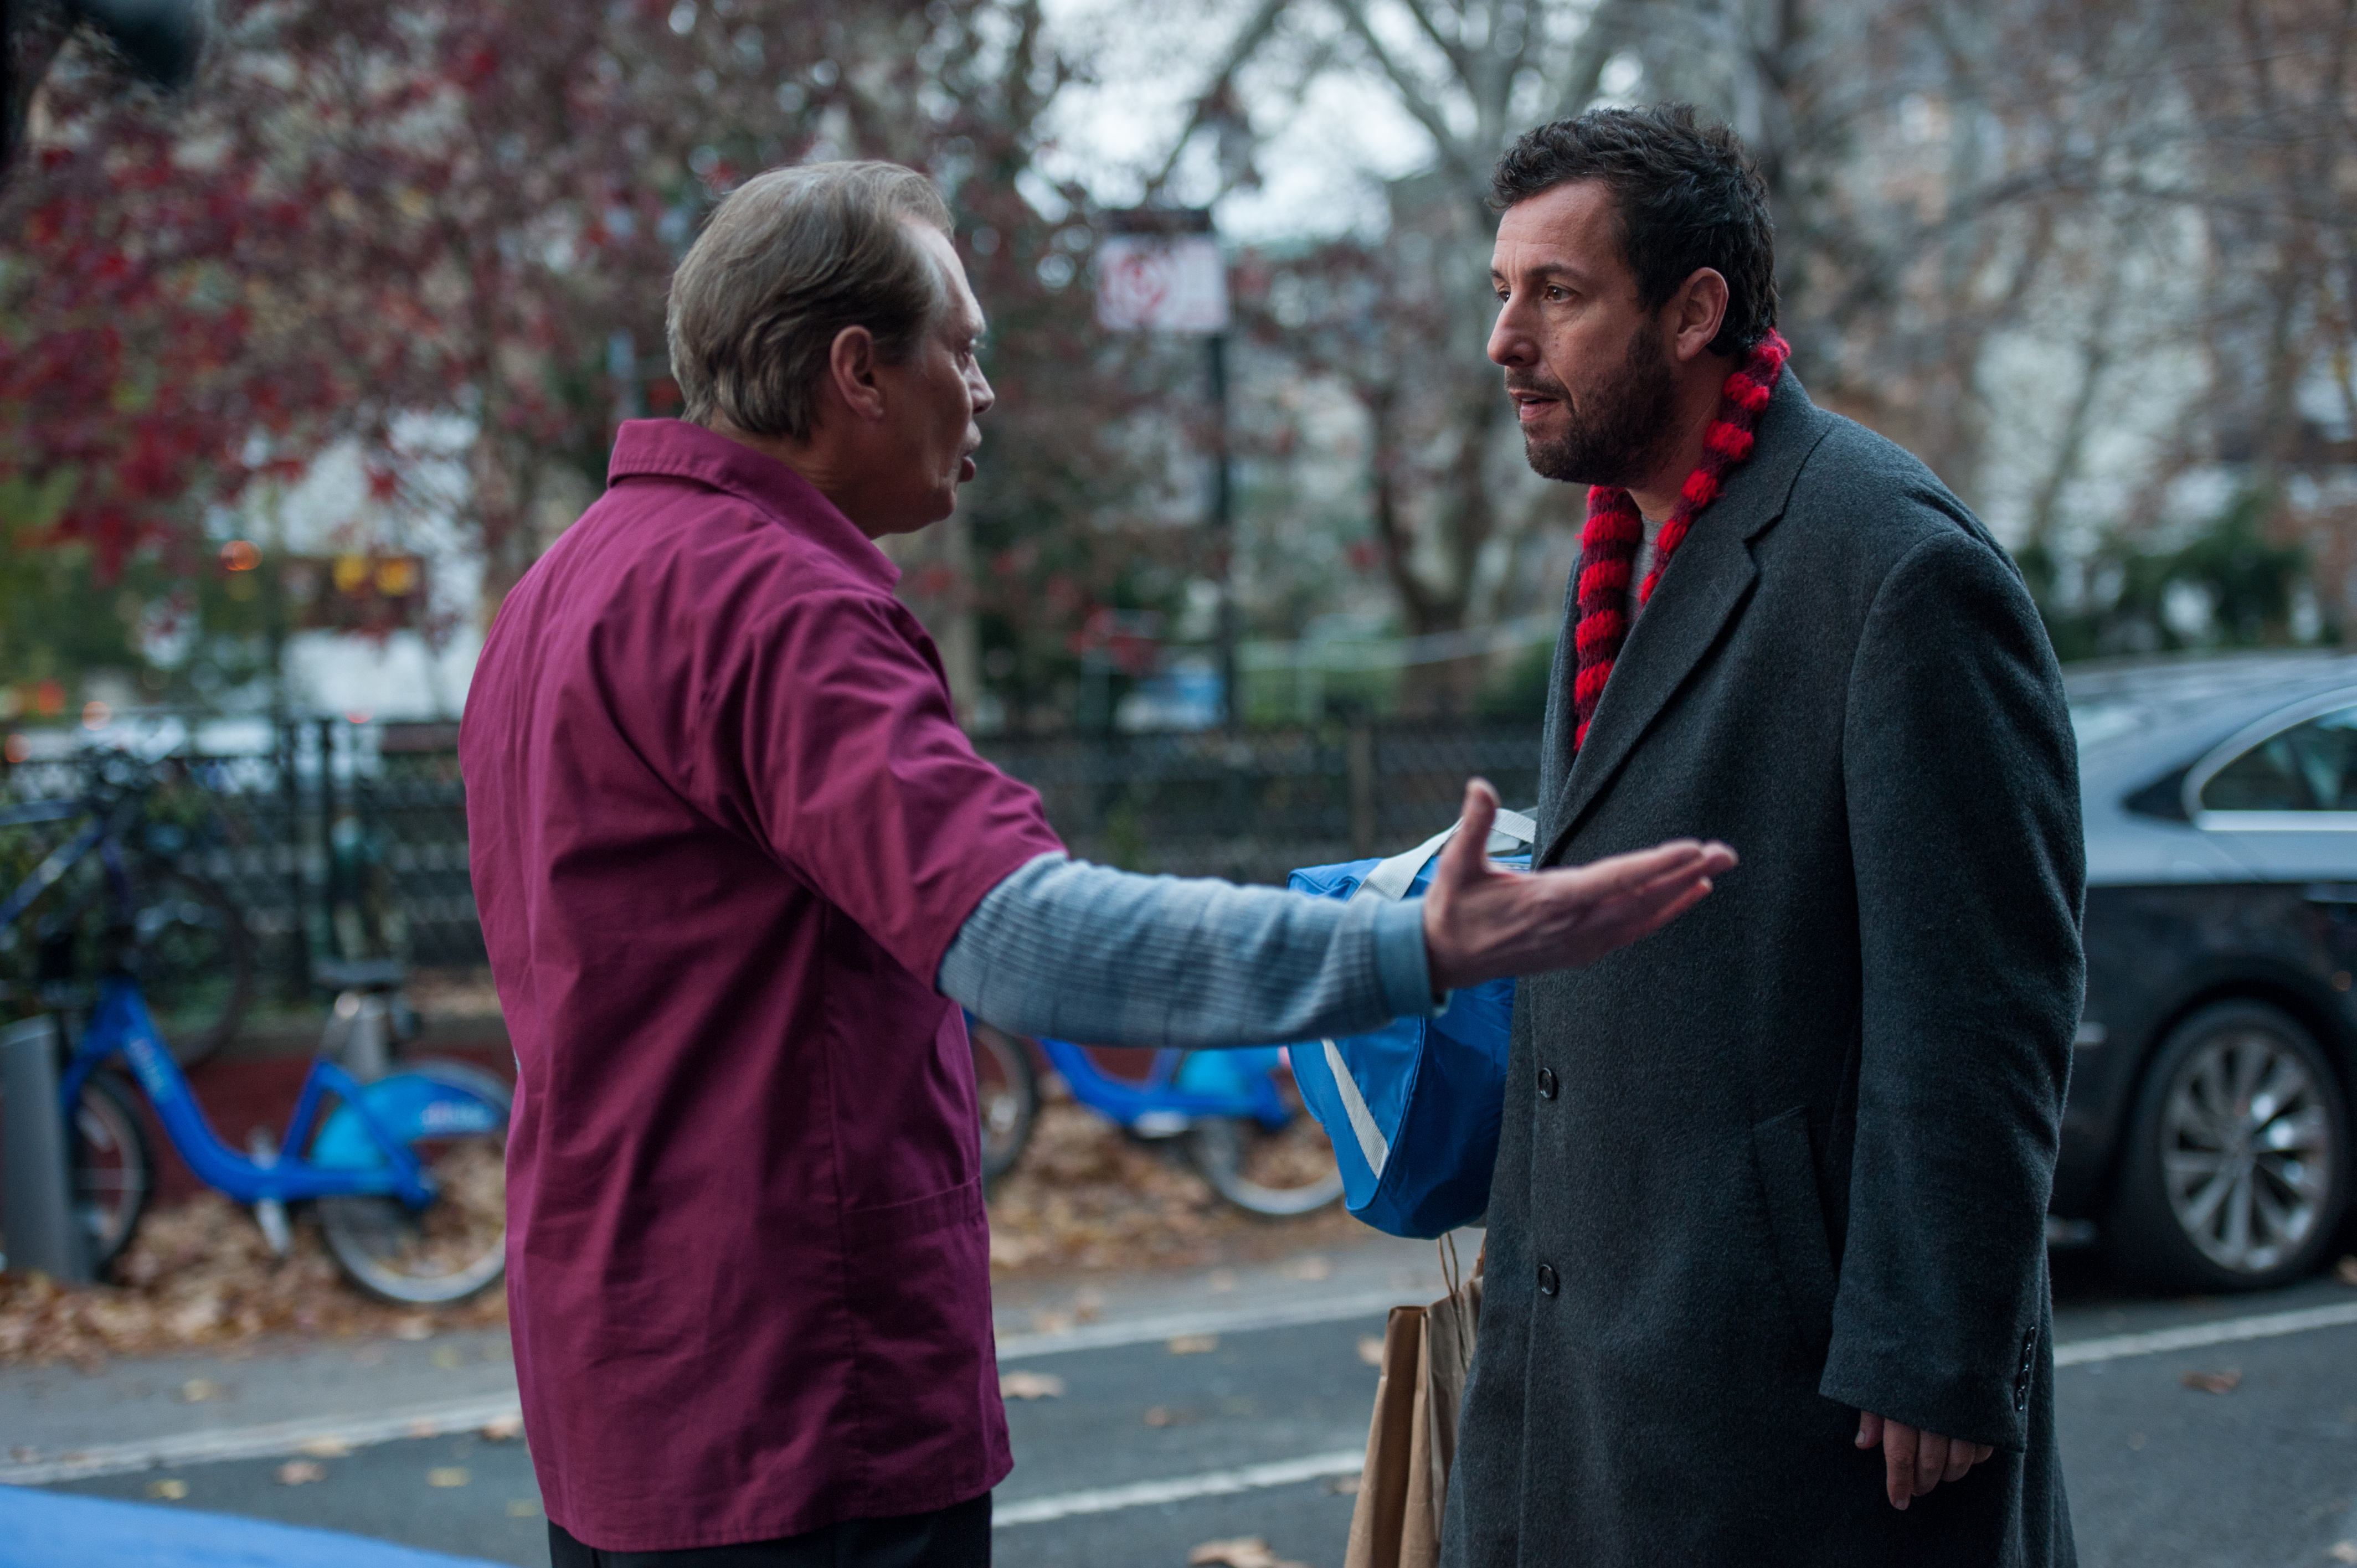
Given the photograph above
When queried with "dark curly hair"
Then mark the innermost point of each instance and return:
(1688, 197)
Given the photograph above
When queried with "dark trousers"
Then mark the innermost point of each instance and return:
(954, 1537)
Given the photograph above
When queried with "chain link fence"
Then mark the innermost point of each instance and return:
(349, 840)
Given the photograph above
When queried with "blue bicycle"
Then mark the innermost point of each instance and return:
(1245, 1129)
(404, 1169)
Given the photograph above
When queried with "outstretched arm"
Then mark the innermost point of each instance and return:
(1080, 951)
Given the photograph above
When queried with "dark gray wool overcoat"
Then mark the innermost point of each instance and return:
(1789, 1158)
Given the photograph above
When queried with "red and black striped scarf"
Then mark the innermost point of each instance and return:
(1608, 545)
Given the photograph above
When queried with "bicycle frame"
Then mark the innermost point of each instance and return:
(121, 1024)
(1125, 1101)
(61, 860)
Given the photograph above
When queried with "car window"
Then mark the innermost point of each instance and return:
(2310, 766)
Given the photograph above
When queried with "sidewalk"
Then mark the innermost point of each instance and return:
(320, 1396)
(308, 1396)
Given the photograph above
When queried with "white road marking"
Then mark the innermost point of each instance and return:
(264, 1442)
(278, 1438)
(2263, 1326)
(1230, 1320)
(1217, 1483)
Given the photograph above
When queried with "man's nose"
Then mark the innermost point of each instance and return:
(1509, 344)
(979, 385)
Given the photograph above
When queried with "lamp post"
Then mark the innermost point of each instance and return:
(1160, 270)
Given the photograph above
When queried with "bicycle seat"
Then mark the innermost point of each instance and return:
(357, 975)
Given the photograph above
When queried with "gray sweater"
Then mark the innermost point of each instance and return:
(1077, 951)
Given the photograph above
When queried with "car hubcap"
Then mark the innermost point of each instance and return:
(2246, 1150)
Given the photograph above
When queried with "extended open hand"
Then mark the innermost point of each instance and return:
(1481, 923)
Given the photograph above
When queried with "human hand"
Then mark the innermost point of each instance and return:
(1913, 1461)
(1481, 923)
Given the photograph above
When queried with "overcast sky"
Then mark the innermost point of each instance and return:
(1321, 157)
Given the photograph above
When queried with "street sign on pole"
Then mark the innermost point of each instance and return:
(1161, 269)
(1161, 283)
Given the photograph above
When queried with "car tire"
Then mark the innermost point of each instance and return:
(2238, 1161)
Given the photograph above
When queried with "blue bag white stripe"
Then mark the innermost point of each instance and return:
(1413, 1109)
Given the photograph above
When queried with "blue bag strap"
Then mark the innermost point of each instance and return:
(1391, 879)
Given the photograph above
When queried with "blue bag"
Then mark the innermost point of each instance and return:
(1413, 1109)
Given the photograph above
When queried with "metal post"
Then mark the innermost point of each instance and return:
(38, 1214)
(1224, 532)
(1362, 786)
(622, 371)
(332, 943)
(298, 935)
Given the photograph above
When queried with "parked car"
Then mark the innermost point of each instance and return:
(2208, 1137)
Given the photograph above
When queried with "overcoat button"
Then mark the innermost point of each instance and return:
(1546, 1279)
(1546, 1084)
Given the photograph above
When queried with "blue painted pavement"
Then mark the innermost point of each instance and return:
(45, 1530)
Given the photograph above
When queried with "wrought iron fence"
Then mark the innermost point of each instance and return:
(349, 840)
(1251, 808)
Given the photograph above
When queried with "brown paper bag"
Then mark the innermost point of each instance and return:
(1413, 1437)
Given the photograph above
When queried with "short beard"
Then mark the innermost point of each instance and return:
(1619, 429)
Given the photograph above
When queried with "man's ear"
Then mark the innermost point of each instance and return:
(851, 370)
(1696, 312)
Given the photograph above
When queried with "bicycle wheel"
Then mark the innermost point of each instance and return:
(454, 1118)
(196, 961)
(1273, 1172)
(1007, 1091)
(113, 1172)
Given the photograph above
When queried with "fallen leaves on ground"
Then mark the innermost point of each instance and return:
(1371, 1349)
(1342, 1486)
(1163, 1415)
(1030, 1386)
(2345, 1270)
(503, 1428)
(1193, 1344)
(1245, 1552)
(197, 1275)
(447, 1476)
(1086, 1196)
(167, 1491)
(2211, 1382)
(2344, 1552)
(301, 1472)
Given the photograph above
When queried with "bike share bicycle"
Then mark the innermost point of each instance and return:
(1245, 1129)
(405, 1172)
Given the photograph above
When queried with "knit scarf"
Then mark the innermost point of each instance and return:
(1608, 545)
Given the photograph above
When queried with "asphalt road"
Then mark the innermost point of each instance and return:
(1146, 1452)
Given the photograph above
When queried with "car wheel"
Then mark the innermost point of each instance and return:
(2238, 1159)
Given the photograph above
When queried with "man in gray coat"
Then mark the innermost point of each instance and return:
(1767, 1276)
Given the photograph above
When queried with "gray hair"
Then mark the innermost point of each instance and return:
(791, 258)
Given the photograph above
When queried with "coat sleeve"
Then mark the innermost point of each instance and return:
(1962, 778)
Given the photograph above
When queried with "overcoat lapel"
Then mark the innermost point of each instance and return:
(1702, 592)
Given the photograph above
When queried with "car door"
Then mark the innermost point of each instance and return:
(2281, 798)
